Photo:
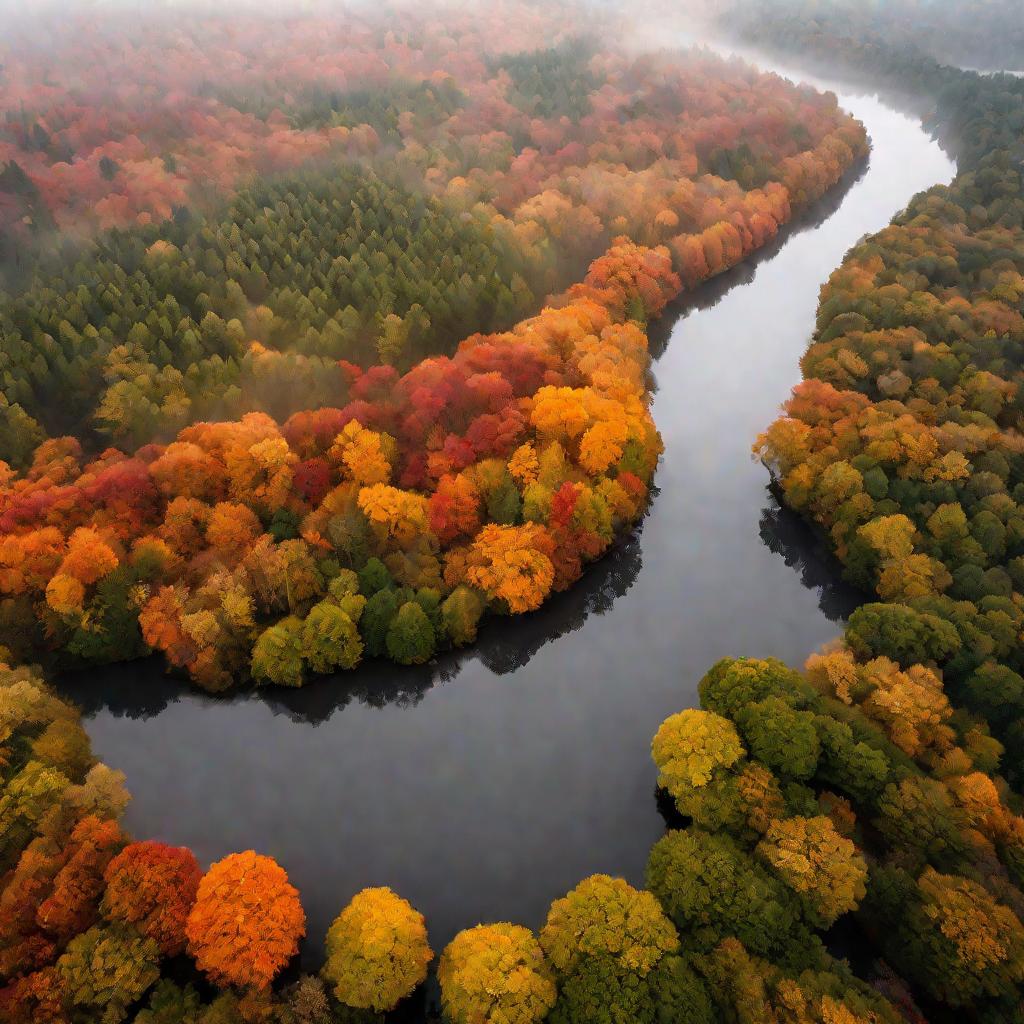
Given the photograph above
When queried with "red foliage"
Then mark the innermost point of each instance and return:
(153, 887)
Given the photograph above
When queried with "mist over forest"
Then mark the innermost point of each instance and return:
(384, 378)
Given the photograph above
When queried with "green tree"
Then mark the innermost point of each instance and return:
(410, 639)
(277, 653)
(106, 969)
(712, 889)
(460, 613)
(780, 737)
(330, 639)
(734, 683)
(607, 918)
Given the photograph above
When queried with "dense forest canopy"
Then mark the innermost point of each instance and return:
(379, 419)
(902, 445)
(323, 334)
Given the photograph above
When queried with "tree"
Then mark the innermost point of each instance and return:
(460, 613)
(948, 934)
(152, 886)
(712, 889)
(106, 969)
(277, 654)
(780, 737)
(821, 866)
(89, 557)
(410, 638)
(734, 683)
(71, 906)
(597, 993)
(330, 639)
(696, 752)
(495, 974)
(509, 564)
(606, 917)
(917, 817)
(246, 922)
(377, 951)
(900, 633)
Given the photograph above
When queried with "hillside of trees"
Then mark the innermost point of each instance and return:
(433, 200)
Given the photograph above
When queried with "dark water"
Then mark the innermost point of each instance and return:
(488, 784)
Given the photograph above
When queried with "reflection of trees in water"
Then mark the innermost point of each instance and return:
(143, 689)
(506, 645)
(784, 533)
(713, 291)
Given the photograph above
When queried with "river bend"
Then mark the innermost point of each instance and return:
(485, 785)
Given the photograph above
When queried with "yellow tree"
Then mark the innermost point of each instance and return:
(377, 951)
(824, 868)
(495, 974)
(606, 917)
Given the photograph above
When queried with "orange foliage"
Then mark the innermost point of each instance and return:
(246, 922)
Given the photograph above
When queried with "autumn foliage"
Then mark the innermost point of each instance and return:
(377, 951)
(246, 921)
(153, 886)
(495, 974)
(310, 414)
(503, 469)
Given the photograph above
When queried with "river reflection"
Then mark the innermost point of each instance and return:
(488, 783)
(140, 690)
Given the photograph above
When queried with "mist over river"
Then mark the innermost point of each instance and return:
(486, 784)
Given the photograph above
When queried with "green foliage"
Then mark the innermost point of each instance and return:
(733, 683)
(460, 614)
(712, 890)
(949, 933)
(380, 609)
(607, 919)
(784, 740)
(410, 637)
(551, 83)
(277, 654)
(106, 969)
(144, 330)
(598, 993)
(901, 633)
(330, 639)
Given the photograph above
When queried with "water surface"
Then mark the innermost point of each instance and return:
(485, 785)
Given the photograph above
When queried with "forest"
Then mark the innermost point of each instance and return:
(391, 475)
(325, 336)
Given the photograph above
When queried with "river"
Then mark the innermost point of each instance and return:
(487, 784)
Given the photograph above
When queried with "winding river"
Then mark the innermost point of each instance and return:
(485, 785)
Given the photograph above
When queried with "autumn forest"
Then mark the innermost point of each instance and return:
(346, 352)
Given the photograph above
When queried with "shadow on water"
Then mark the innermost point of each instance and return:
(803, 549)
(143, 689)
(711, 292)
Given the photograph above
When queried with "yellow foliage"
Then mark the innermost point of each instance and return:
(65, 594)
(691, 747)
(506, 563)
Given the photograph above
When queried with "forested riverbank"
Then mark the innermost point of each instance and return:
(856, 804)
(902, 446)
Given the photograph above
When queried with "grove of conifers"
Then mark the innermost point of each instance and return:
(323, 336)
